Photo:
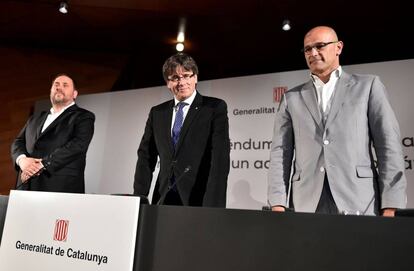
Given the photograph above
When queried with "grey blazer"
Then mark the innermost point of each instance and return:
(360, 121)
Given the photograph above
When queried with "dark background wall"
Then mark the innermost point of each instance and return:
(110, 45)
(25, 77)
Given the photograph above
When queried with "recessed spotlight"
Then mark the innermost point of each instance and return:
(286, 25)
(179, 47)
(180, 37)
(63, 7)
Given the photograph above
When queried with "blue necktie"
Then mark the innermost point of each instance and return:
(178, 123)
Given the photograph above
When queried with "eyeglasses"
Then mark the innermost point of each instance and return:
(184, 77)
(318, 46)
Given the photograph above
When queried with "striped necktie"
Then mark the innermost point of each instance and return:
(178, 123)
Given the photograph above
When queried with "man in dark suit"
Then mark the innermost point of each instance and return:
(50, 151)
(190, 135)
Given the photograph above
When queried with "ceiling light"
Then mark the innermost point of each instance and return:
(179, 47)
(63, 7)
(286, 25)
(181, 30)
(180, 37)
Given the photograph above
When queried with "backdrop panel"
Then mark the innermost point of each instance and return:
(121, 117)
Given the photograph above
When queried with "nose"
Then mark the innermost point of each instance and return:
(181, 81)
(314, 51)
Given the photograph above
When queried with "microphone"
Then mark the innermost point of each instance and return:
(30, 179)
(177, 180)
(20, 185)
(144, 199)
(23, 183)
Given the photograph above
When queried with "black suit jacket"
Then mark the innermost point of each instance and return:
(62, 146)
(203, 148)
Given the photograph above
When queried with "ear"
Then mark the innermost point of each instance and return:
(339, 46)
(195, 79)
(75, 94)
(169, 84)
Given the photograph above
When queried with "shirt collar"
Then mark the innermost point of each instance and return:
(188, 101)
(52, 111)
(334, 74)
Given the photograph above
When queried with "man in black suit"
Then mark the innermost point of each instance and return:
(50, 151)
(190, 135)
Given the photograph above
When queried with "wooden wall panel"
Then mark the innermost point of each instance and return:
(25, 77)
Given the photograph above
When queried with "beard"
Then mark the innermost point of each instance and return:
(58, 98)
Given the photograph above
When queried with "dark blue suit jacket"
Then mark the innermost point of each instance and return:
(203, 151)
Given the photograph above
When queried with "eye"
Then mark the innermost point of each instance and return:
(307, 49)
(320, 46)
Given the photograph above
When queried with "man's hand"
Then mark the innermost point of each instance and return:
(388, 212)
(278, 208)
(24, 177)
(30, 167)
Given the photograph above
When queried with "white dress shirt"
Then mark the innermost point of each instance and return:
(54, 115)
(324, 92)
(50, 118)
(188, 102)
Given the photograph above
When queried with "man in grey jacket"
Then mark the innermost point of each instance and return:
(328, 127)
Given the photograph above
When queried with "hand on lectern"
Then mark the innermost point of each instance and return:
(278, 208)
(388, 212)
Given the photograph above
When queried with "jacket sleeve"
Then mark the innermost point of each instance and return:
(215, 195)
(147, 160)
(18, 146)
(77, 145)
(281, 155)
(385, 132)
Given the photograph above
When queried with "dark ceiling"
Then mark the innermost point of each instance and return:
(226, 37)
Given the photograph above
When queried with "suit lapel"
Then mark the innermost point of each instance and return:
(341, 89)
(309, 98)
(191, 115)
(167, 117)
(62, 116)
(40, 122)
